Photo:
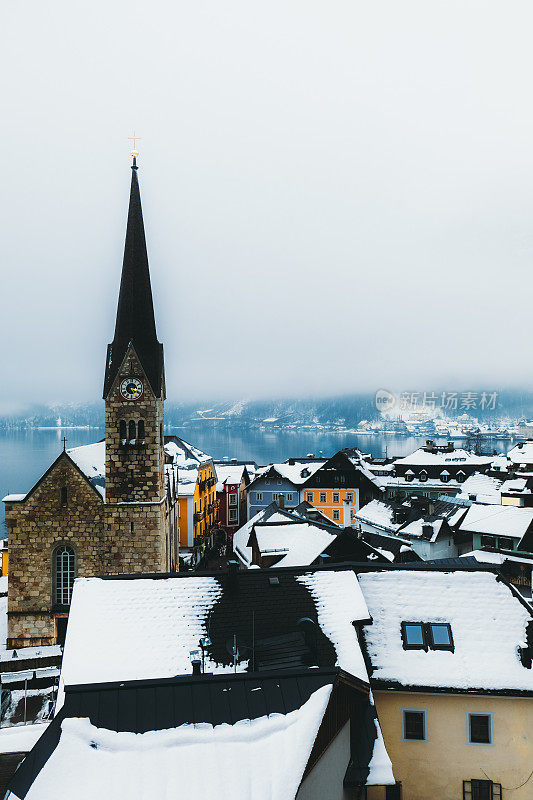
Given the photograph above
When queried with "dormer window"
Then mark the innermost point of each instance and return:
(461, 476)
(409, 475)
(445, 476)
(423, 476)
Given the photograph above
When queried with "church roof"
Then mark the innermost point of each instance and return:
(135, 321)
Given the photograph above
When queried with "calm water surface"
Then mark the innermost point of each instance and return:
(26, 454)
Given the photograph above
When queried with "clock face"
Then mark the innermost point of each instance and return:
(131, 388)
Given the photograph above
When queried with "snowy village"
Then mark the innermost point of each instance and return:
(317, 628)
(266, 420)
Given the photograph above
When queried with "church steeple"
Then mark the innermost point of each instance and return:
(135, 321)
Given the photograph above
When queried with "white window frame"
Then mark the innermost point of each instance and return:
(233, 515)
(349, 497)
(259, 497)
(232, 499)
(288, 497)
(309, 497)
(336, 497)
(323, 495)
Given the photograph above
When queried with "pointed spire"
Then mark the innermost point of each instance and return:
(135, 313)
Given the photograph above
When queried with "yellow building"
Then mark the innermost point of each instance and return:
(5, 557)
(450, 655)
(193, 475)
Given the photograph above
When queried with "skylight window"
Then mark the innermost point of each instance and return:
(441, 636)
(413, 636)
(427, 636)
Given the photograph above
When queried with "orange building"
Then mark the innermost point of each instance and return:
(341, 487)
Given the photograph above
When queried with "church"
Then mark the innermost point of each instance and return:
(109, 507)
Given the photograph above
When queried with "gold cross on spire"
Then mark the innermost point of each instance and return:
(134, 140)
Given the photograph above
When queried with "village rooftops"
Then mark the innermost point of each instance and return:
(297, 472)
(481, 624)
(482, 488)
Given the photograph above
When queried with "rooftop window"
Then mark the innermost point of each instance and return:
(427, 636)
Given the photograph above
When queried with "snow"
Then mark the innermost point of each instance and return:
(228, 474)
(184, 454)
(419, 528)
(261, 758)
(241, 537)
(339, 602)
(485, 489)
(293, 472)
(522, 453)
(380, 767)
(302, 542)
(3, 584)
(489, 557)
(497, 520)
(90, 459)
(516, 485)
(457, 457)
(488, 624)
(378, 514)
(146, 628)
(21, 738)
(13, 498)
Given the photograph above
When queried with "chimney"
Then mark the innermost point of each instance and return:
(346, 514)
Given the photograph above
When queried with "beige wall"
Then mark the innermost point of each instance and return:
(325, 781)
(435, 769)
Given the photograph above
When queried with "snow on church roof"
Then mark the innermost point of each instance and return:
(488, 624)
(90, 459)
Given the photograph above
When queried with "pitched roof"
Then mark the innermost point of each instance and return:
(135, 320)
(521, 453)
(488, 623)
(497, 520)
(90, 459)
(299, 543)
(252, 731)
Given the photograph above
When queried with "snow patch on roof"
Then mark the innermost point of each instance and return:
(90, 459)
(302, 542)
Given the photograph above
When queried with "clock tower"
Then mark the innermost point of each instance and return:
(134, 394)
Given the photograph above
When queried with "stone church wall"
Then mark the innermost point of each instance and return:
(36, 527)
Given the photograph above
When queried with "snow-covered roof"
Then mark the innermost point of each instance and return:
(485, 488)
(240, 538)
(296, 473)
(497, 520)
(269, 753)
(492, 557)
(488, 624)
(146, 628)
(458, 457)
(184, 454)
(21, 738)
(300, 543)
(229, 475)
(378, 514)
(13, 498)
(420, 528)
(522, 453)
(90, 459)
(518, 485)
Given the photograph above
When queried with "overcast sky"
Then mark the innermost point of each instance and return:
(338, 196)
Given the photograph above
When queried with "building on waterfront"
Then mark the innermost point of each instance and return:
(280, 483)
(104, 508)
(340, 487)
(433, 470)
(232, 481)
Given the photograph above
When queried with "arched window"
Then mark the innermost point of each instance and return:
(140, 431)
(122, 431)
(131, 431)
(63, 574)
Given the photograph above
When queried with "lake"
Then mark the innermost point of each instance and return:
(26, 454)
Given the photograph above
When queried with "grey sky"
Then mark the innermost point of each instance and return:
(337, 195)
